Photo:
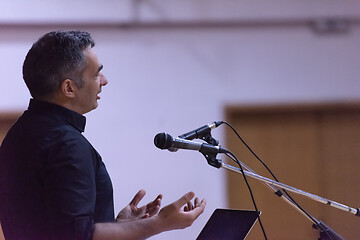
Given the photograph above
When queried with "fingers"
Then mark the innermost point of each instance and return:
(137, 198)
(189, 206)
(155, 203)
(172, 217)
(197, 202)
(158, 198)
(184, 200)
(198, 209)
(193, 211)
(153, 207)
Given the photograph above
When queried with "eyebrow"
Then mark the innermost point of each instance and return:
(100, 67)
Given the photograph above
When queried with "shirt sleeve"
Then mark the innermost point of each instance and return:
(68, 178)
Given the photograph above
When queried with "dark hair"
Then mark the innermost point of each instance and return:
(55, 57)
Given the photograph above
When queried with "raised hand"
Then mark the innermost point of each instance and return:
(172, 217)
(133, 212)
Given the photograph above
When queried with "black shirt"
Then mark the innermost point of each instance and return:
(53, 183)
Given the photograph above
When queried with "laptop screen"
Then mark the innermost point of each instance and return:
(228, 224)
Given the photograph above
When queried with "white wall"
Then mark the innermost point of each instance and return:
(177, 79)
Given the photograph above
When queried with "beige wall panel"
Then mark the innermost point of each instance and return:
(313, 149)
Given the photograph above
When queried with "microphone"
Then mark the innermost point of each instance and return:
(166, 141)
(201, 132)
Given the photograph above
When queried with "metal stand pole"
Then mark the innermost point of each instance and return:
(273, 183)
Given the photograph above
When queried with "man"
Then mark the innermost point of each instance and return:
(53, 183)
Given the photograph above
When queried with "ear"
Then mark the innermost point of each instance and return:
(68, 88)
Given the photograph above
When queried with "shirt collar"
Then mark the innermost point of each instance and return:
(73, 118)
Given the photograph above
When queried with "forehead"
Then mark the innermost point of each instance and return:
(91, 58)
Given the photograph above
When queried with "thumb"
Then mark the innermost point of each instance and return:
(137, 198)
(184, 199)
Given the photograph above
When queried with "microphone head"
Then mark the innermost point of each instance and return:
(163, 140)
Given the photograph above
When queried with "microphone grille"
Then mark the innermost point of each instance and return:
(163, 140)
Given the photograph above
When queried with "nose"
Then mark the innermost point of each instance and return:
(103, 80)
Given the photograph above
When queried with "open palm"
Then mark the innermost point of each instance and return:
(132, 211)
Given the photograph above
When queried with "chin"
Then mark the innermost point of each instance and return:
(95, 106)
(90, 109)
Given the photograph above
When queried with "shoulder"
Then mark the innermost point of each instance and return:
(65, 144)
(64, 133)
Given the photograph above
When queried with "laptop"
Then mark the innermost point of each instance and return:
(229, 224)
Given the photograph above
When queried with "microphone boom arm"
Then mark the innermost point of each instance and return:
(294, 190)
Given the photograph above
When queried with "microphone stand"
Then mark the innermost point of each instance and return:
(326, 233)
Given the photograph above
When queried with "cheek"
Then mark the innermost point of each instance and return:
(97, 83)
(95, 86)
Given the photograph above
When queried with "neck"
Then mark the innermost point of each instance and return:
(61, 101)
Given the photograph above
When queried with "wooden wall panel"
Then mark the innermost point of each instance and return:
(314, 149)
(6, 121)
(340, 149)
(1, 234)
